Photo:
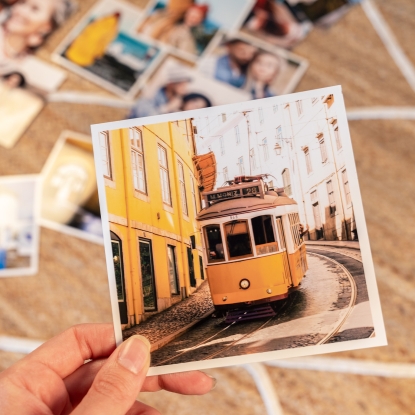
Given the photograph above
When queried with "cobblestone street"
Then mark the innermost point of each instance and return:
(304, 319)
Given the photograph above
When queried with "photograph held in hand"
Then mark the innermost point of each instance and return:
(236, 234)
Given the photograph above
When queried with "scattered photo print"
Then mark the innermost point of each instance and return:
(236, 234)
(274, 22)
(247, 64)
(69, 191)
(18, 108)
(19, 231)
(190, 25)
(102, 48)
(177, 87)
(320, 12)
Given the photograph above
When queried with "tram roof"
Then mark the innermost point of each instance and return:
(244, 205)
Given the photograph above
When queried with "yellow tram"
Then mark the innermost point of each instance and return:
(253, 246)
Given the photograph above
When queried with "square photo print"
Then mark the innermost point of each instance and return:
(104, 49)
(236, 234)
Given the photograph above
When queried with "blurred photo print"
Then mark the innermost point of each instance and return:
(19, 227)
(261, 71)
(189, 25)
(176, 86)
(69, 202)
(274, 22)
(320, 12)
(18, 108)
(104, 49)
(236, 234)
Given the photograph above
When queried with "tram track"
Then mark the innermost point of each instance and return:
(284, 310)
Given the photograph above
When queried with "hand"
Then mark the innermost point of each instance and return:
(54, 379)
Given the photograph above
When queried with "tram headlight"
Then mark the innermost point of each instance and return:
(244, 284)
(224, 298)
(269, 291)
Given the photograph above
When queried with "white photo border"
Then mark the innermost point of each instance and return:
(380, 335)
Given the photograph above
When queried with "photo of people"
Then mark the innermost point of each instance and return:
(18, 108)
(274, 22)
(18, 225)
(102, 48)
(69, 192)
(260, 71)
(190, 25)
(177, 87)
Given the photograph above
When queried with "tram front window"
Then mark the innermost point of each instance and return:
(238, 239)
(264, 236)
(214, 243)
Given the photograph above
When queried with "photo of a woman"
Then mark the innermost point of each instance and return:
(262, 71)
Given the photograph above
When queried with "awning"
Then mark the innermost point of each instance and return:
(205, 165)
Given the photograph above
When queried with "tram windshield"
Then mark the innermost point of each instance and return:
(265, 241)
(214, 243)
(238, 239)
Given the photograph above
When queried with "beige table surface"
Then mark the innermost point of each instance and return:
(71, 284)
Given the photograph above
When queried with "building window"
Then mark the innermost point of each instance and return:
(337, 137)
(265, 148)
(137, 160)
(104, 142)
(173, 275)
(308, 160)
(225, 174)
(223, 117)
(287, 181)
(270, 185)
(299, 105)
(261, 115)
(314, 100)
(182, 189)
(313, 196)
(275, 108)
(164, 175)
(346, 187)
(252, 159)
(323, 150)
(241, 166)
(222, 146)
(279, 133)
(192, 183)
(332, 201)
(237, 135)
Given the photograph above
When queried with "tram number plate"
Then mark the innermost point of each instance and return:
(223, 195)
(253, 190)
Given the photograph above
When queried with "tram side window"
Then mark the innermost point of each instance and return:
(264, 237)
(238, 239)
(295, 229)
(214, 243)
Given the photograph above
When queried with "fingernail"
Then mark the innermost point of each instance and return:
(214, 380)
(135, 354)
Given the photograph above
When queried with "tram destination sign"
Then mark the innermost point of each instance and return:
(234, 193)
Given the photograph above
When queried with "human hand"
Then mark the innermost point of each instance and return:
(54, 379)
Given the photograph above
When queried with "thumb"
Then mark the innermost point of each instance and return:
(119, 381)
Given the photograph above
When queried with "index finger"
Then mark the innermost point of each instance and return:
(68, 351)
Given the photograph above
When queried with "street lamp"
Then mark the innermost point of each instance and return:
(277, 149)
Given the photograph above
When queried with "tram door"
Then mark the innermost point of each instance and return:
(119, 276)
(287, 271)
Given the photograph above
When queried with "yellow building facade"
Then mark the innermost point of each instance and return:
(152, 200)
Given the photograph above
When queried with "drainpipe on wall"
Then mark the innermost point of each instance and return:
(135, 317)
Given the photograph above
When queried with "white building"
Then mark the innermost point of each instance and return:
(299, 145)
